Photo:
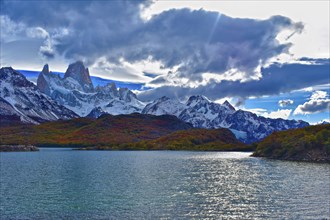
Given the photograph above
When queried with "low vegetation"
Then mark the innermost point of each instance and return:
(193, 139)
(311, 143)
(123, 132)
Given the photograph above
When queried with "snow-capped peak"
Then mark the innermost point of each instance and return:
(76, 92)
(164, 106)
(197, 99)
(126, 95)
(108, 89)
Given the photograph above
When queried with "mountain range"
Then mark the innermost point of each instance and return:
(202, 113)
(74, 95)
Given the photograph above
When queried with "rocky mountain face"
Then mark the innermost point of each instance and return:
(76, 92)
(22, 101)
(80, 74)
(202, 113)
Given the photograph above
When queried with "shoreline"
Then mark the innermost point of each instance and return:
(18, 148)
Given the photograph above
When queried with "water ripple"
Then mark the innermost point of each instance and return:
(64, 184)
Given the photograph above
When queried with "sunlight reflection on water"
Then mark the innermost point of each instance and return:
(65, 184)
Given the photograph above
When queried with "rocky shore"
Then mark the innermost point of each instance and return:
(17, 148)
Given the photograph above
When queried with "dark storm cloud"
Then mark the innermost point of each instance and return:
(198, 41)
(94, 28)
(195, 42)
(69, 13)
(275, 79)
(209, 42)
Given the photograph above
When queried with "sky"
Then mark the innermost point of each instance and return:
(268, 57)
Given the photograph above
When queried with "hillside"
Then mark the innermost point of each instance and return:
(193, 139)
(122, 132)
(305, 144)
(105, 130)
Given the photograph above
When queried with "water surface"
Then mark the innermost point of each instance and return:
(66, 184)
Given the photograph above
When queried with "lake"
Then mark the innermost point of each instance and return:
(67, 184)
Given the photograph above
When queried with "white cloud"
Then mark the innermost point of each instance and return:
(37, 32)
(319, 95)
(313, 106)
(10, 30)
(285, 102)
(324, 121)
(280, 113)
(313, 88)
(47, 49)
(122, 71)
(318, 102)
(257, 111)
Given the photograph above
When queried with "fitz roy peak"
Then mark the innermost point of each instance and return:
(78, 72)
(202, 113)
(76, 92)
(22, 101)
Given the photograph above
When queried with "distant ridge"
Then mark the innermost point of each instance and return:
(202, 113)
